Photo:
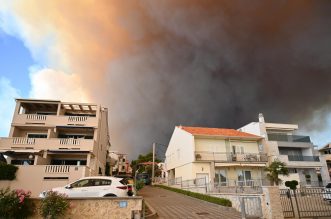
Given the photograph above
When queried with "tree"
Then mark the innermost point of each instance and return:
(141, 159)
(275, 169)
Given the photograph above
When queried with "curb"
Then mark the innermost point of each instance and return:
(154, 213)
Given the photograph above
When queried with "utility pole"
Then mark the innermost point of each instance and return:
(153, 165)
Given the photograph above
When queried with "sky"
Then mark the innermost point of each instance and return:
(158, 64)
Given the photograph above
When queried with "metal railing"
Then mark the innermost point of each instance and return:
(36, 117)
(77, 118)
(24, 140)
(288, 138)
(303, 158)
(57, 169)
(231, 157)
(253, 186)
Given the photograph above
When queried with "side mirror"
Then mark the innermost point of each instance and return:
(68, 187)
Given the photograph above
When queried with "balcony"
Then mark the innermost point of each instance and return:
(230, 157)
(47, 144)
(303, 158)
(54, 120)
(289, 138)
(300, 161)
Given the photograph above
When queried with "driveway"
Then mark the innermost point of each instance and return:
(170, 204)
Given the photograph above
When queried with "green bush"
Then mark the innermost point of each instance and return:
(7, 171)
(292, 184)
(54, 205)
(15, 204)
(140, 184)
(215, 200)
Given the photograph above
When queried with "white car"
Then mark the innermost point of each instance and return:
(327, 192)
(98, 186)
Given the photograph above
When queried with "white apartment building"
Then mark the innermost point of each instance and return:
(297, 151)
(224, 157)
(54, 143)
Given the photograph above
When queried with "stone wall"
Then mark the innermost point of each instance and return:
(105, 208)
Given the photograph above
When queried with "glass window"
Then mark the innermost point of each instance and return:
(220, 178)
(82, 183)
(102, 182)
(41, 135)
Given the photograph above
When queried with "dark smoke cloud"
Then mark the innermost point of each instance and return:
(157, 64)
(218, 64)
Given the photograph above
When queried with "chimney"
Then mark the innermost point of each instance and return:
(261, 118)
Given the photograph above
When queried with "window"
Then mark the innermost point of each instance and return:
(244, 177)
(22, 162)
(102, 182)
(82, 183)
(68, 162)
(37, 135)
(237, 149)
(220, 178)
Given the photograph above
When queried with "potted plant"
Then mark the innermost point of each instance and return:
(198, 156)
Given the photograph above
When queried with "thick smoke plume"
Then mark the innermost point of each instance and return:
(157, 64)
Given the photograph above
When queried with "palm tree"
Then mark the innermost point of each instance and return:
(275, 169)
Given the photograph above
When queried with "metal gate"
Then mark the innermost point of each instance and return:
(287, 204)
(305, 203)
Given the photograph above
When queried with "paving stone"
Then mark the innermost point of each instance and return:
(170, 204)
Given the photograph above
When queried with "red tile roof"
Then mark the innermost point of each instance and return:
(217, 132)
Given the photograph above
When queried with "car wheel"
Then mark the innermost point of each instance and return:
(110, 195)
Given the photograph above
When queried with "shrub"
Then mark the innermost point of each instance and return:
(140, 184)
(212, 199)
(15, 203)
(7, 171)
(54, 205)
(292, 184)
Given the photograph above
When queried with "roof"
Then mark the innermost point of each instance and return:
(217, 132)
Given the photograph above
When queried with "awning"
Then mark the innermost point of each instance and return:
(16, 151)
(68, 151)
(75, 127)
(240, 164)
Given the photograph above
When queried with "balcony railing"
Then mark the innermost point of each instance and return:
(59, 120)
(231, 157)
(289, 138)
(46, 144)
(303, 158)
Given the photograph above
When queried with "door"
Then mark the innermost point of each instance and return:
(244, 178)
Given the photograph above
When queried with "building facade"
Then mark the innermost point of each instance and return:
(296, 151)
(54, 143)
(224, 157)
(119, 163)
(325, 153)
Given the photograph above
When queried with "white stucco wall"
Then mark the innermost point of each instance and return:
(211, 145)
(252, 128)
(180, 150)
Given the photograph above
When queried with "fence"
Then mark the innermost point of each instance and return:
(230, 186)
(306, 203)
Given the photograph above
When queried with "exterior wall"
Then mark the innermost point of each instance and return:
(210, 145)
(185, 171)
(290, 177)
(32, 178)
(101, 208)
(180, 150)
(252, 128)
